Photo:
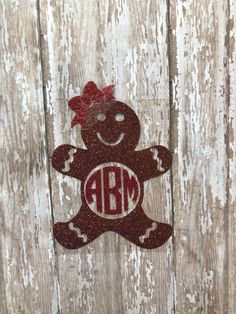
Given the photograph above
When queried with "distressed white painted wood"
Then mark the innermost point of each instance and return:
(201, 183)
(27, 260)
(126, 43)
(231, 43)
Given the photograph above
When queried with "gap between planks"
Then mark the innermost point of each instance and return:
(42, 64)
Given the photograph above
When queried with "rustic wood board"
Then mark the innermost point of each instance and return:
(203, 208)
(50, 49)
(27, 260)
(231, 44)
(103, 43)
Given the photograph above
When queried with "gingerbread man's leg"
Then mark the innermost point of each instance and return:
(82, 229)
(143, 231)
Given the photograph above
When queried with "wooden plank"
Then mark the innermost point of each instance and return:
(200, 99)
(124, 42)
(28, 277)
(232, 157)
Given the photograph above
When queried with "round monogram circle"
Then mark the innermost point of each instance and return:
(112, 190)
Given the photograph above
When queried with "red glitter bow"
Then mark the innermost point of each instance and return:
(91, 96)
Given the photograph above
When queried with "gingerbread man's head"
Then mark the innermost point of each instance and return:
(107, 124)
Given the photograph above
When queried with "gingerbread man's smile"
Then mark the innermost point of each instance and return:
(120, 138)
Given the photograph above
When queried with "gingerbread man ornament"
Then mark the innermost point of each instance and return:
(112, 173)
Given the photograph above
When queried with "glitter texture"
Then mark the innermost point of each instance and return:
(92, 96)
(112, 173)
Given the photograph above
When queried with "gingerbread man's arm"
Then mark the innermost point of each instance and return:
(153, 162)
(69, 160)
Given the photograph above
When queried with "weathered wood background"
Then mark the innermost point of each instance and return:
(174, 62)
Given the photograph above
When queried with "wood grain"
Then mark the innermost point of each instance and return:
(174, 63)
(200, 133)
(28, 277)
(231, 92)
(124, 42)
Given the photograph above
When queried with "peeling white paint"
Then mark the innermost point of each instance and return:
(201, 164)
(135, 58)
(28, 262)
(191, 298)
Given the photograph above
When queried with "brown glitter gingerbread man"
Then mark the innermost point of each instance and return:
(112, 173)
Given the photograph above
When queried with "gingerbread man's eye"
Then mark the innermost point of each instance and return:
(101, 116)
(119, 117)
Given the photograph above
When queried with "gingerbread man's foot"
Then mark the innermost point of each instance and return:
(154, 236)
(81, 230)
(142, 231)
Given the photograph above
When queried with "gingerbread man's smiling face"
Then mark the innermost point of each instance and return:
(111, 126)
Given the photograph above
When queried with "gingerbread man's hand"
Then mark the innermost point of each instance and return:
(153, 161)
(69, 160)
